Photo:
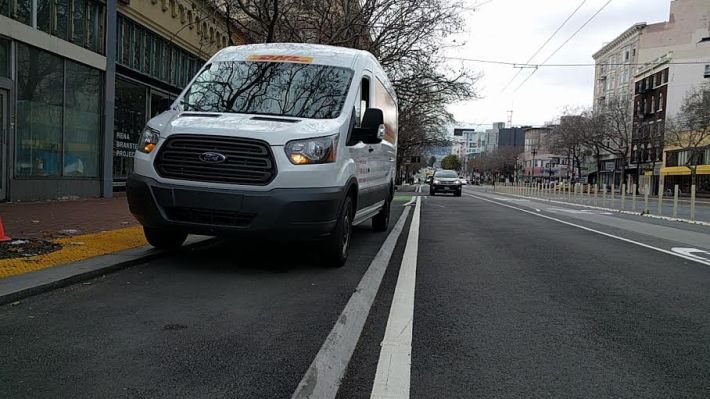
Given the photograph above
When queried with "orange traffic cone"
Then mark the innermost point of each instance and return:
(3, 237)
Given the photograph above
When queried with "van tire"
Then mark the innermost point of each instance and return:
(163, 238)
(381, 221)
(338, 245)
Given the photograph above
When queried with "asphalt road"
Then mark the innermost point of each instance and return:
(512, 298)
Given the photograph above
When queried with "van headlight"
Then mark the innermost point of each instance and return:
(312, 151)
(149, 139)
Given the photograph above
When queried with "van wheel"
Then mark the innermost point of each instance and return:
(338, 245)
(381, 221)
(164, 239)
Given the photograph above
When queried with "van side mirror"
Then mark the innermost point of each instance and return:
(372, 128)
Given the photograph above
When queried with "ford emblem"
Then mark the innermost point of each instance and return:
(212, 157)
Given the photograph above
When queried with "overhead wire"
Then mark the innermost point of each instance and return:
(559, 28)
(565, 43)
(571, 65)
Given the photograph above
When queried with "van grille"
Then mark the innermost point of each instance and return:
(209, 216)
(248, 162)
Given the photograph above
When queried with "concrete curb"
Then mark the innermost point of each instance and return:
(29, 284)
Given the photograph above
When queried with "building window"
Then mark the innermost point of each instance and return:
(146, 52)
(707, 71)
(82, 121)
(660, 102)
(20, 10)
(653, 103)
(40, 77)
(58, 116)
(4, 58)
(130, 117)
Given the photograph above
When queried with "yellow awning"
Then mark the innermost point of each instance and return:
(683, 171)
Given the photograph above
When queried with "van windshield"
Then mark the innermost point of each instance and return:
(270, 88)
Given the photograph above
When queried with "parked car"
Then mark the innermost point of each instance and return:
(241, 153)
(445, 181)
(463, 181)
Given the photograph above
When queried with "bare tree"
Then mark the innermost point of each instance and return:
(407, 37)
(689, 131)
(501, 162)
(615, 123)
(571, 137)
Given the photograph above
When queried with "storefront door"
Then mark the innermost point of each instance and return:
(4, 132)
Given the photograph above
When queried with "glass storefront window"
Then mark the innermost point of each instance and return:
(40, 77)
(82, 121)
(58, 116)
(129, 120)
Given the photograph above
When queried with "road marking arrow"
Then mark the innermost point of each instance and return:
(691, 252)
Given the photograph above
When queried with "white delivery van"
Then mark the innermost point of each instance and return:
(280, 141)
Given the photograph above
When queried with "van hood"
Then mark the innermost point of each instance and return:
(273, 130)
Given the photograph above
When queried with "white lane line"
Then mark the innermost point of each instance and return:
(392, 378)
(680, 255)
(323, 377)
(411, 202)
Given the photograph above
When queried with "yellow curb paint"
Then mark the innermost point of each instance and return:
(76, 248)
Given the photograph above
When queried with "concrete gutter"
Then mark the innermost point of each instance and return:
(24, 285)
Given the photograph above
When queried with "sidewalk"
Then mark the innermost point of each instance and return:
(49, 218)
(51, 233)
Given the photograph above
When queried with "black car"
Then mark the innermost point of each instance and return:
(445, 181)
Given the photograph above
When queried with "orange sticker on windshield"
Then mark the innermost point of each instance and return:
(280, 58)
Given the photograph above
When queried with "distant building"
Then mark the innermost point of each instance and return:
(676, 57)
(538, 161)
(616, 66)
(492, 136)
(511, 137)
(644, 66)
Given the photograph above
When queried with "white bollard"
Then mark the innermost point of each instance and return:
(623, 196)
(596, 194)
(692, 202)
(675, 201)
(589, 192)
(660, 196)
(646, 193)
(604, 194)
(633, 198)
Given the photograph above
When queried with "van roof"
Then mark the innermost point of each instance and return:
(312, 53)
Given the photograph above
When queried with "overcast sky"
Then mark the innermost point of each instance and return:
(512, 30)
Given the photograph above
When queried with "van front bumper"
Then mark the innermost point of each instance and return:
(288, 214)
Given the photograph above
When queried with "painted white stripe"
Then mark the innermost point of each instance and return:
(392, 379)
(323, 377)
(680, 255)
(411, 202)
